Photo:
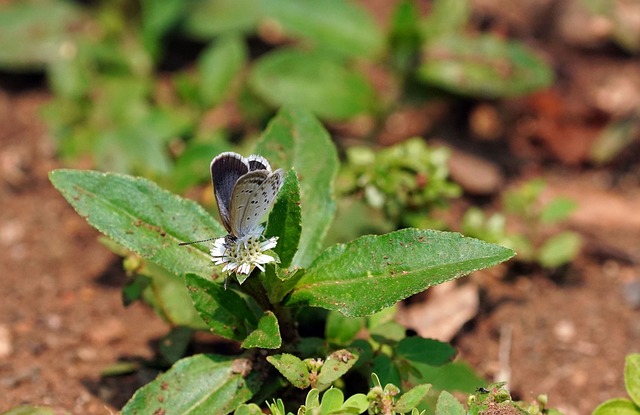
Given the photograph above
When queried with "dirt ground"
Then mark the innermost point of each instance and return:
(62, 320)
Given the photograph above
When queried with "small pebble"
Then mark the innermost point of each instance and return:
(106, 332)
(565, 331)
(631, 293)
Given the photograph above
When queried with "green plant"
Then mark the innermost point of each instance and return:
(534, 242)
(623, 406)
(406, 181)
(114, 101)
(356, 282)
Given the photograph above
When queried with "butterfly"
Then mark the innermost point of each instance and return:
(245, 190)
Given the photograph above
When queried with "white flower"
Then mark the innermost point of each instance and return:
(242, 255)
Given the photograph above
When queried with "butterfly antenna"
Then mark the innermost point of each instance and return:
(196, 242)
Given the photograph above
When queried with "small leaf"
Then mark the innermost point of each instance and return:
(334, 25)
(411, 398)
(374, 272)
(312, 81)
(337, 364)
(455, 376)
(331, 401)
(358, 402)
(210, 18)
(248, 409)
(292, 368)
(174, 345)
(448, 405)
(203, 384)
(218, 65)
(632, 377)
(158, 17)
(485, 66)
(617, 406)
(226, 312)
(446, 18)
(285, 220)
(386, 371)
(428, 351)
(266, 336)
(557, 210)
(139, 215)
(296, 139)
(560, 249)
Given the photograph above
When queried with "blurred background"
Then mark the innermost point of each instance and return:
(513, 121)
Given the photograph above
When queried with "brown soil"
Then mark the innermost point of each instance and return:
(62, 320)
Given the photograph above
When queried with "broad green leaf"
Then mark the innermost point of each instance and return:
(227, 313)
(412, 398)
(341, 329)
(292, 368)
(34, 410)
(197, 385)
(614, 138)
(373, 272)
(157, 18)
(632, 377)
(455, 376)
(139, 215)
(335, 365)
(219, 65)
(266, 335)
(248, 409)
(331, 401)
(618, 406)
(428, 351)
(485, 66)
(285, 220)
(388, 333)
(557, 210)
(404, 37)
(35, 33)
(358, 402)
(449, 405)
(296, 139)
(313, 81)
(560, 249)
(206, 19)
(335, 25)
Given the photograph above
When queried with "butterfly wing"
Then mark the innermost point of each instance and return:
(253, 196)
(226, 169)
(257, 162)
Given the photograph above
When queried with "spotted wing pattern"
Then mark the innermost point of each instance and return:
(253, 196)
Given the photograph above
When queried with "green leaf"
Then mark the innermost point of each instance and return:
(485, 66)
(446, 17)
(296, 139)
(374, 272)
(267, 335)
(285, 220)
(411, 398)
(33, 33)
(449, 405)
(207, 19)
(292, 368)
(139, 215)
(618, 406)
(157, 18)
(248, 409)
(428, 351)
(455, 376)
(34, 410)
(341, 329)
(218, 65)
(632, 377)
(227, 313)
(560, 249)
(174, 345)
(335, 365)
(201, 384)
(335, 25)
(314, 81)
(387, 372)
(332, 400)
(557, 210)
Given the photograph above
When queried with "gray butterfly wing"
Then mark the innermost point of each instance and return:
(253, 196)
(226, 169)
(257, 162)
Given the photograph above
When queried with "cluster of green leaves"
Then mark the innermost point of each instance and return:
(623, 406)
(406, 181)
(536, 242)
(114, 103)
(355, 281)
